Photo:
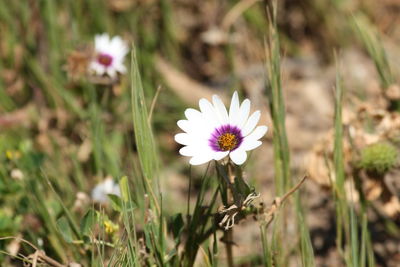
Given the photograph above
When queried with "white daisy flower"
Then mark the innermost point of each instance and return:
(109, 55)
(106, 187)
(212, 133)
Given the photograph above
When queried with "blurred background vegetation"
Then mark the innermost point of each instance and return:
(62, 131)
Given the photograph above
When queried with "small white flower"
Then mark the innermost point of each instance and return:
(212, 133)
(109, 55)
(101, 190)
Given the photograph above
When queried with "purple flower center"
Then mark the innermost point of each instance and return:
(225, 138)
(104, 59)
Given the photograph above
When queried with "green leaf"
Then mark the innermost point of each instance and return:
(116, 202)
(124, 187)
(177, 225)
(88, 221)
(65, 229)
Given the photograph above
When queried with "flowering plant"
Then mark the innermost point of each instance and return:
(212, 133)
(109, 55)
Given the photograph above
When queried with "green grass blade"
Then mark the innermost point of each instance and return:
(369, 37)
(143, 133)
(281, 148)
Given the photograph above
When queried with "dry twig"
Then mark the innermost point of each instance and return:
(269, 215)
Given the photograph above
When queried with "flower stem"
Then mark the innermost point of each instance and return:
(228, 245)
(228, 236)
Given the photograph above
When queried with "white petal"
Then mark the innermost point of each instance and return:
(198, 124)
(101, 190)
(221, 110)
(238, 156)
(205, 106)
(192, 114)
(195, 147)
(97, 68)
(201, 158)
(243, 113)
(184, 139)
(197, 131)
(208, 111)
(119, 47)
(220, 155)
(108, 185)
(234, 109)
(188, 151)
(250, 144)
(111, 72)
(120, 53)
(251, 123)
(102, 43)
(123, 50)
(257, 133)
(116, 42)
(184, 125)
(98, 39)
(120, 68)
(116, 190)
(105, 38)
(98, 194)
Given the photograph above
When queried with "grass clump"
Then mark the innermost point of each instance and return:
(379, 157)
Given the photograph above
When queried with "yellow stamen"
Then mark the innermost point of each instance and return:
(227, 141)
